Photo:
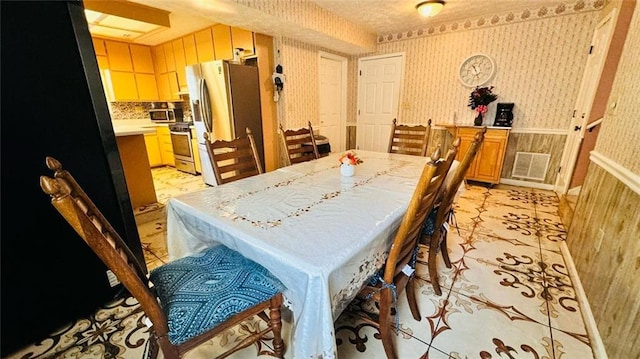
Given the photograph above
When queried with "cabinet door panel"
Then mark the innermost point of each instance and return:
(178, 53)
(142, 59)
(491, 155)
(222, 43)
(164, 91)
(168, 55)
(124, 86)
(204, 45)
(153, 149)
(147, 87)
(119, 56)
(160, 60)
(190, 52)
(173, 86)
(244, 39)
(98, 47)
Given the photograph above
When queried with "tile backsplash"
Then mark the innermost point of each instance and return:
(139, 110)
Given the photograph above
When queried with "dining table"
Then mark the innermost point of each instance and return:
(321, 234)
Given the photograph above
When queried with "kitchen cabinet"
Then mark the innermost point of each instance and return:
(99, 47)
(142, 59)
(487, 166)
(153, 149)
(243, 39)
(164, 142)
(147, 87)
(181, 63)
(222, 42)
(119, 56)
(168, 86)
(169, 56)
(190, 52)
(103, 62)
(159, 59)
(123, 86)
(204, 45)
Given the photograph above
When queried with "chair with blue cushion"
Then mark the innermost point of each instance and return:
(434, 232)
(188, 301)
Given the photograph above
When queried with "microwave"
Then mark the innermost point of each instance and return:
(161, 115)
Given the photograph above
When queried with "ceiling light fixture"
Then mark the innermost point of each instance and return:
(430, 8)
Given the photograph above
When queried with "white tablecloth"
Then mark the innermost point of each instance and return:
(321, 234)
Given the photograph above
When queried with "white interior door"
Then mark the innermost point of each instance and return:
(590, 79)
(333, 103)
(379, 86)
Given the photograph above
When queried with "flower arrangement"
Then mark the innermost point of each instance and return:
(349, 158)
(480, 98)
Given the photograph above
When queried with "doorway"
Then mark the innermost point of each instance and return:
(582, 111)
(332, 70)
(379, 87)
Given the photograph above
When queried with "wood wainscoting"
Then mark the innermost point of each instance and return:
(604, 241)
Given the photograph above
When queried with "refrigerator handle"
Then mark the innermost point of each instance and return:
(205, 105)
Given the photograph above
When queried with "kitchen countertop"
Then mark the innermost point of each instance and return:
(134, 127)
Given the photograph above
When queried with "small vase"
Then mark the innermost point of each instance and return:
(347, 170)
(478, 120)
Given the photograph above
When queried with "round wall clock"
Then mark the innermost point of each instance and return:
(476, 70)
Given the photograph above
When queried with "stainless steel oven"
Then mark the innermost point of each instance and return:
(182, 150)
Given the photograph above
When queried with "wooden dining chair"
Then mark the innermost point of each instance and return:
(235, 159)
(192, 299)
(299, 145)
(409, 140)
(434, 233)
(397, 273)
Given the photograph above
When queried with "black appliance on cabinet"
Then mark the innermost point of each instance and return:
(53, 104)
(504, 115)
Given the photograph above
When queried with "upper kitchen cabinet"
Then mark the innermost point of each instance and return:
(222, 42)
(142, 60)
(159, 59)
(119, 56)
(131, 71)
(205, 45)
(169, 56)
(241, 38)
(181, 63)
(190, 51)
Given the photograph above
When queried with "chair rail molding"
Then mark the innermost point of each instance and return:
(625, 176)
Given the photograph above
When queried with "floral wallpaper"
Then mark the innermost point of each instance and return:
(539, 68)
(622, 126)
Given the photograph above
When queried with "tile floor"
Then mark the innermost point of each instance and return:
(507, 295)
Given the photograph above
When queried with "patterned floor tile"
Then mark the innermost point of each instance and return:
(474, 329)
(522, 225)
(517, 283)
(570, 345)
(492, 248)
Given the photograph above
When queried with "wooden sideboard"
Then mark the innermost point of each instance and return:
(487, 167)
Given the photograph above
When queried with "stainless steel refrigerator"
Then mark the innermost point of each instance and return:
(225, 100)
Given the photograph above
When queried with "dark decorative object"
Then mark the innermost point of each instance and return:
(478, 120)
(504, 115)
(479, 99)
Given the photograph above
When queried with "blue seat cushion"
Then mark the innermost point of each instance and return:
(203, 290)
(430, 223)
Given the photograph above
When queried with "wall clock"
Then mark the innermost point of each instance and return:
(476, 70)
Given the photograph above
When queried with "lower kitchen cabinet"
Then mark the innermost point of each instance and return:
(166, 148)
(487, 166)
(153, 149)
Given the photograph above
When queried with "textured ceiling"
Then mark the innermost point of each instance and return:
(375, 17)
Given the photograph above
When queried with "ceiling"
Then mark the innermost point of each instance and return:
(375, 16)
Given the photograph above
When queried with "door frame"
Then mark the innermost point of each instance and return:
(343, 95)
(583, 107)
(403, 57)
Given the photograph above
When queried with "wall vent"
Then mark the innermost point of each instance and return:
(530, 165)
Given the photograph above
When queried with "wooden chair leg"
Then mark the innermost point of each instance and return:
(168, 350)
(275, 321)
(443, 250)
(411, 298)
(433, 271)
(387, 325)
